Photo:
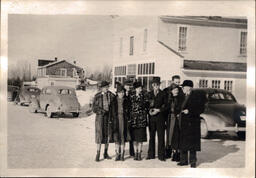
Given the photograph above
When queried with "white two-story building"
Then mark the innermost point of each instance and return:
(211, 51)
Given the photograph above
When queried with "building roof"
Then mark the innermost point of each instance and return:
(214, 65)
(56, 62)
(215, 21)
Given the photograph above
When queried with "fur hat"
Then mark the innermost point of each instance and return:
(188, 83)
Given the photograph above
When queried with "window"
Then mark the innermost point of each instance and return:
(48, 91)
(64, 92)
(145, 40)
(120, 70)
(228, 85)
(63, 72)
(131, 45)
(131, 69)
(74, 72)
(182, 38)
(203, 83)
(215, 83)
(243, 43)
(121, 47)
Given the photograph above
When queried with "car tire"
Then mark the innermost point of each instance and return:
(241, 135)
(204, 129)
(75, 114)
(49, 113)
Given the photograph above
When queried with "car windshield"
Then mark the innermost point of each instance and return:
(221, 97)
(64, 91)
(33, 90)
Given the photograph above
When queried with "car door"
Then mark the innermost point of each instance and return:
(222, 107)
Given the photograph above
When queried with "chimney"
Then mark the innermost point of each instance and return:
(74, 62)
(55, 59)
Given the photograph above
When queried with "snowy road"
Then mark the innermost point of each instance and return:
(35, 141)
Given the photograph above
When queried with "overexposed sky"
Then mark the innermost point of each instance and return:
(86, 39)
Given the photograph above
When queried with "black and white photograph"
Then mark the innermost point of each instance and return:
(122, 90)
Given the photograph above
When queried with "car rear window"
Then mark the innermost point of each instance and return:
(64, 92)
(221, 96)
(33, 90)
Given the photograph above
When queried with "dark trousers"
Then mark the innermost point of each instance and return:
(184, 156)
(156, 125)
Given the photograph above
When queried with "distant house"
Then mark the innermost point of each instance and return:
(58, 72)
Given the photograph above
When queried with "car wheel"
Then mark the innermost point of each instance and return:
(49, 112)
(204, 129)
(241, 135)
(75, 114)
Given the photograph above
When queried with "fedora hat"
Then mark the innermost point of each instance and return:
(120, 88)
(137, 84)
(156, 80)
(104, 83)
(187, 83)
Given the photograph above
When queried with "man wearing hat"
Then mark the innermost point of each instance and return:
(191, 108)
(158, 104)
(128, 90)
(101, 106)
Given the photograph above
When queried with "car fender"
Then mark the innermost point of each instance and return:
(213, 121)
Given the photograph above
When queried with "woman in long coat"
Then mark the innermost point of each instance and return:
(101, 106)
(120, 113)
(173, 132)
(138, 119)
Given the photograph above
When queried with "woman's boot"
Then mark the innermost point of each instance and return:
(122, 156)
(117, 156)
(97, 159)
(136, 155)
(106, 156)
(174, 156)
(139, 156)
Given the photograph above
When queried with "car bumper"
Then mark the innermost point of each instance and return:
(236, 128)
(68, 110)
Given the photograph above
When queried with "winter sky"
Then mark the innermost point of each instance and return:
(85, 39)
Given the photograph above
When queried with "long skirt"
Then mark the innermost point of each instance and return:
(173, 130)
(102, 129)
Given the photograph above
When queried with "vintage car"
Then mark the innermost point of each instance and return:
(55, 100)
(222, 113)
(12, 92)
(26, 94)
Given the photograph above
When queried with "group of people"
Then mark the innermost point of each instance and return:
(173, 114)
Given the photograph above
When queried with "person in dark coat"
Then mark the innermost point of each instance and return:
(191, 108)
(101, 106)
(128, 90)
(158, 104)
(138, 119)
(120, 113)
(173, 132)
(167, 90)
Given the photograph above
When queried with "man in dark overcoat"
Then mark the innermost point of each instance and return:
(158, 104)
(101, 106)
(128, 90)
(190, 134)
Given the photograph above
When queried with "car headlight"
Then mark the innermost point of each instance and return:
(243, 118)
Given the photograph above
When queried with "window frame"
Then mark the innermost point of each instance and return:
(243, 47)
(186, 38)
(131, 46)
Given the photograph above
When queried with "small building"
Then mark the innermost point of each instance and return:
(211, 51)
(62, 72)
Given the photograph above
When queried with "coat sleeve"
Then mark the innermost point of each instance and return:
(165, 105)
(198, 104)
(96, 106)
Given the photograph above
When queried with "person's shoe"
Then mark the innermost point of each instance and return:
(136, 156)
(150, 157)
(122, 157)
(174, 157)
(162, 159)
(117, 156)
(97, 159)
(182, 163)
(178, 157)
(106, 156)
(139, 156)
(193, 165)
